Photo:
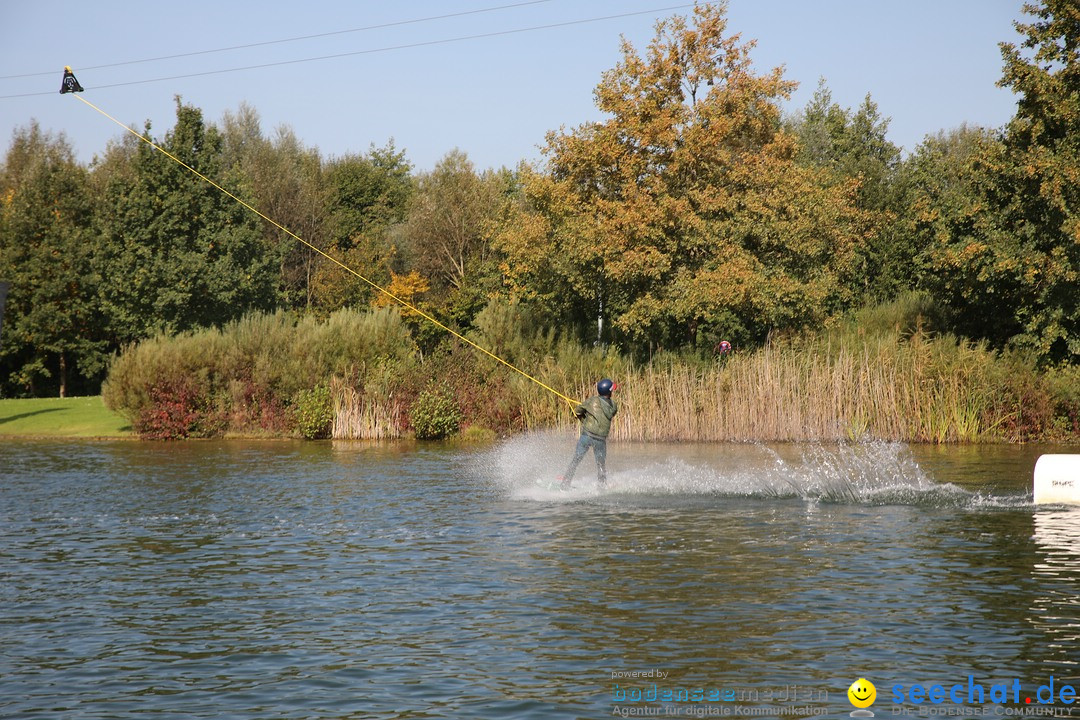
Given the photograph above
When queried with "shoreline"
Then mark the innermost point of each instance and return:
(87, 418)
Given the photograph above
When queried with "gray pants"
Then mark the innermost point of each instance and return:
(599, 448)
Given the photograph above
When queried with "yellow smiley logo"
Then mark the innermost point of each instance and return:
(862, 693)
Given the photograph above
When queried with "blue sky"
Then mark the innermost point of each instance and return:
(929, 64)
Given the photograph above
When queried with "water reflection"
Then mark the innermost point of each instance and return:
(1055, 608)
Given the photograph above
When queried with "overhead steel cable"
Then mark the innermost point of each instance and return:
(284, 40)
(426, 43)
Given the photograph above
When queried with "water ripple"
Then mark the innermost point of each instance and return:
(326, 580)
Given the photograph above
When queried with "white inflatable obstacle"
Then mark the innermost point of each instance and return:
(1057, 479)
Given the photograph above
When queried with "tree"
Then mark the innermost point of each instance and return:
(949, 221)
(175, 252)
(285, 181)
(368, 193)
(1039, 182)
(684, 215)
(1010, 264)
(52, 333)
(405, 288)
(447, 234)
(852, 145)
(368, 196)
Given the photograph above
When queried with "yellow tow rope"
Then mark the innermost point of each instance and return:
(290, 233)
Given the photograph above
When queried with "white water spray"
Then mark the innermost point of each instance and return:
(874, 473)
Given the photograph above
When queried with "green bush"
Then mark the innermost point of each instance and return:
(478, 434)
(246, 373)
(1064, 385)
(514, 332)
(905, 315)
(435, 414)
(314, 412)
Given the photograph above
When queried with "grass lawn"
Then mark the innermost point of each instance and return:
(61, 417)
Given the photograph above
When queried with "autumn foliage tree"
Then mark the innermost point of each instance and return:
(683, 216)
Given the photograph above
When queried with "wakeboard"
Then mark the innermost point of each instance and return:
(553, 485)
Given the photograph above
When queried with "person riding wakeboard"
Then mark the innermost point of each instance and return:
(595, 415)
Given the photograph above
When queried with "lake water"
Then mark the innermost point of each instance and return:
(326, 580)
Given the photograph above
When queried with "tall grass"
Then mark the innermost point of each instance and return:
(366, 416)
(881, 375)
(919, 390)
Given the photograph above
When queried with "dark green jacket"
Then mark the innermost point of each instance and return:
(595, 415)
